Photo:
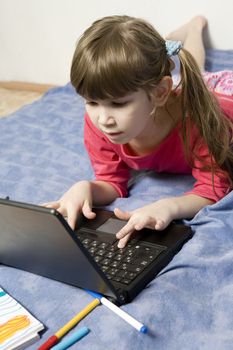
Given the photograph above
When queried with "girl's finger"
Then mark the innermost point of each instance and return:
(54, 205)
(122, 215)
(160, 225)
(127, 229)
(123, 241)
(87, 210)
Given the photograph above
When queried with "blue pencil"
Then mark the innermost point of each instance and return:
(68, 341)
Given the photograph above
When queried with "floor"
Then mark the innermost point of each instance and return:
(11, 99)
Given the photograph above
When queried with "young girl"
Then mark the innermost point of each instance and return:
(136, 119)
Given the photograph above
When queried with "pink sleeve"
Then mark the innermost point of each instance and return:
(107, 164)
(226, 104)
(203, 186)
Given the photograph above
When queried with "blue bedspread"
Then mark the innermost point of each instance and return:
(190, 303)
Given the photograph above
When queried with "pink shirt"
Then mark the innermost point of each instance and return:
(112, 163)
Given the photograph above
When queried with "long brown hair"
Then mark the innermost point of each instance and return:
(203, 109)
(118, 55)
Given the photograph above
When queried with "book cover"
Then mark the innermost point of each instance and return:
(18, 328)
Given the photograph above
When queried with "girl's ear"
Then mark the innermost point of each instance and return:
(162, 91)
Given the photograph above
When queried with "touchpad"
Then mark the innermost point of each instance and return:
(112, 226)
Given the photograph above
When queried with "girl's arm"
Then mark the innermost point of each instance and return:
(103, 193)
(158, 215)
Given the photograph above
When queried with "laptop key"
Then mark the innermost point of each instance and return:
(92, 250)
(118, 257)
(95, 243)
(121, 273)
(104, 268)
(113, 247)
(100, 252)
(144, 263)
(113, 272)
(116, 278)
(85, 240)
(110, 255)
(131, 275)
(104, 245)
(115, 263)
(125, 281)
(97, 258)
(128, 259)
(131, 268)
(105, 262)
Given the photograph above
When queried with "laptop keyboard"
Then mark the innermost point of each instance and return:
(121, 265)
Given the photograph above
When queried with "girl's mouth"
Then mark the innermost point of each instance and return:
(112, 134)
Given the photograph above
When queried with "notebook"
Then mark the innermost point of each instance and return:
(39, 240)
(18, 328)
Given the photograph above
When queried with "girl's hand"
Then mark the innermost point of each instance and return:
(155, 216)
(78, 199)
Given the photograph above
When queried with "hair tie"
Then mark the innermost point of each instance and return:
(173, 47)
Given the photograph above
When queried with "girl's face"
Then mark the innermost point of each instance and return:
(122, 119)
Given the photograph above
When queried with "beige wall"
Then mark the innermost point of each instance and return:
(37, 37)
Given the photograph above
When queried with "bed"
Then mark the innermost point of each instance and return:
(189, 305)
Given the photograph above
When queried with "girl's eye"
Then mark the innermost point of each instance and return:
(119, 104)
(114, 104)
(91, 103)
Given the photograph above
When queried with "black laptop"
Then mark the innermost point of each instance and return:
(39, 240)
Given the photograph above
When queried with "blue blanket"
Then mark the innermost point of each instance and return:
(189, 305)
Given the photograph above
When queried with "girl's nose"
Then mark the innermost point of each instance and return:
(105, 118)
